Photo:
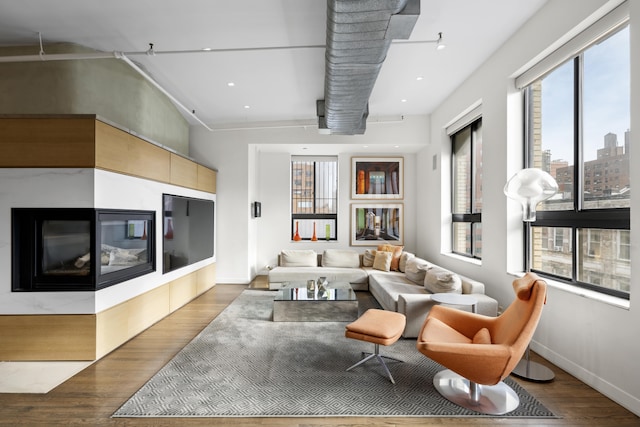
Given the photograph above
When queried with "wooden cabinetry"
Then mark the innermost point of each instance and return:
(82, 141)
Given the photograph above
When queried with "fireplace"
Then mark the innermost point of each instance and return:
(80, 249)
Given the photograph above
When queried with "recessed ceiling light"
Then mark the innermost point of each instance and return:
(207, 49)
(396, 146)
(365, 146)
(419, 78)
(247, 107)
(231, 84)
(403, 100)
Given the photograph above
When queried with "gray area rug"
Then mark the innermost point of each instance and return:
(244, 365)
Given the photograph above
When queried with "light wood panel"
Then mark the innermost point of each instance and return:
(206, 278)
(184, 172)
(82, 141)
(92, 336)
(111, 328)
(47, 142)
(121, 152)
(146, 310)
(206, 179)
(48, 337)
(183, 290)
(112, 147)
(148, 161)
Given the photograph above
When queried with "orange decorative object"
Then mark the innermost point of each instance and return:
(144, 233)
(169, 234)
(296, 237)
(360, 189)
(314, 238)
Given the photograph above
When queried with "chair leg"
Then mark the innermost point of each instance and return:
(376, 354)
(494, 400)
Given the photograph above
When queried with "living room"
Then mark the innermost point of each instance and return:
(579, 331)
(582, 332)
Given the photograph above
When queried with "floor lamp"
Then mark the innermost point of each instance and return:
(529, 187)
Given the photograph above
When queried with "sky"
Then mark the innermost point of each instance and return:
(606, 106)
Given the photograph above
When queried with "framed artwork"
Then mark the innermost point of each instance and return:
(377, 178)
(374, 224)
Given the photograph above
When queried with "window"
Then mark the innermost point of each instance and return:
(577, 118)
(467, 190)
(314, 197)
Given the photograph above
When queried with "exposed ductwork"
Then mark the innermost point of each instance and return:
(359, 34)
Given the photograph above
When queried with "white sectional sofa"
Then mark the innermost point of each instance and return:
(336, 265)
(407, 290)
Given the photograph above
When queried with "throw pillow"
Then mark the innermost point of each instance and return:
(298, 258)
(416, 269)
(406, 256)
(396, 252)
(382, 261)
(346, 258)
(368, 257)
(440, 280)
(482, 337)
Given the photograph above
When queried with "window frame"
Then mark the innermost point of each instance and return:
(472, 218)
(314, 216)
(578, 217)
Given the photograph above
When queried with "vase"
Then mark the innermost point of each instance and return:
(169, 234)
(144, 232)
(327, 232)
(314, 238)
(296, 236)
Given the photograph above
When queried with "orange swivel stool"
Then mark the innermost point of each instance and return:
(378, 327)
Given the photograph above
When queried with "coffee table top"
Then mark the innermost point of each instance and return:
(334, 291)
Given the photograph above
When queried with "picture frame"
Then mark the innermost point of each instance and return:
(380, 178)
(373, 224)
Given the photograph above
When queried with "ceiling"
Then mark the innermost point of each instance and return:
(272, 50)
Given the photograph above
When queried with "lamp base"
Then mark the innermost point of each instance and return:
(532, 371)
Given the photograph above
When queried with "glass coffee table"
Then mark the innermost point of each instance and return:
(333, 302)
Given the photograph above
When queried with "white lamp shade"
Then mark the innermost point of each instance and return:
(530, 187)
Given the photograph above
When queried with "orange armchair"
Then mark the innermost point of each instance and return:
(481, 351)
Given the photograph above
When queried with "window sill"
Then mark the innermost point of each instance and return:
(474, 261)
(585, 293)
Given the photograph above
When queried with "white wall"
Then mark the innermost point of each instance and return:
(592, 338)
(254, 165)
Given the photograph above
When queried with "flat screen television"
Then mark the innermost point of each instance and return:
(188, 231)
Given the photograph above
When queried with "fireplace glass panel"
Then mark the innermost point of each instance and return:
(65, 248)
(80, 249)
(123, 244)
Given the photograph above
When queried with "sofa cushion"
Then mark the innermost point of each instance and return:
(387, 288)
(396, 252)
(440, 280)
(416, 269)
(406, 256)
(368, 257)
(298, 258)
(382, 261)
(346, 258)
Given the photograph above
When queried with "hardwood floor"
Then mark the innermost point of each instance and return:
(90, 397)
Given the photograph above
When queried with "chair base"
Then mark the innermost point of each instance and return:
(492, 400)
(376, 355)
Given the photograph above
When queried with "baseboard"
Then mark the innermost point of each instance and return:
(603, 386)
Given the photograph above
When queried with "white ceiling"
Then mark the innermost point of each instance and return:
(276, 84)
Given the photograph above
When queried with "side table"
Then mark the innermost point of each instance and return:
(456, 299)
